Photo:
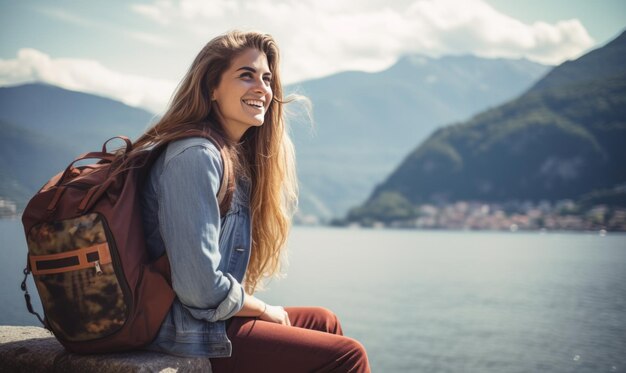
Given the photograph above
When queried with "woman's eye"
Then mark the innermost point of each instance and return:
(249, 76)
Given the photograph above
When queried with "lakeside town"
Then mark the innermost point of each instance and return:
(512, 216)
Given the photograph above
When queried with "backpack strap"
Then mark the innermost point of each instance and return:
(29, 305)
(224, 194)
(227, 184)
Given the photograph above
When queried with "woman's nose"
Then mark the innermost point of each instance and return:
(262, 87)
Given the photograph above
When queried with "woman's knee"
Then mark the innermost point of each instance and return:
(354, 356)
(329, 319)
(315, 318)
(357, 347)
(324, 313)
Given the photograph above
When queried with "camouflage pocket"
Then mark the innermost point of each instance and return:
(72, 264)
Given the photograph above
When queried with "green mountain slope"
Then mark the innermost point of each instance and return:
(603, 63)
(564, 138)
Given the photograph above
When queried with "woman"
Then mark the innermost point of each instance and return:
(233, 92)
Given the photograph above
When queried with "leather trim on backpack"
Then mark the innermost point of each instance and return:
(70, 260)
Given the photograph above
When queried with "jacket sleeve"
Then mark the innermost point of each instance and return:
(189, 221)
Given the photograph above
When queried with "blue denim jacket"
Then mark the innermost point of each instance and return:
(208, 254)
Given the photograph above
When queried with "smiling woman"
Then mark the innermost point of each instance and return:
(244, 93)
(223, 236)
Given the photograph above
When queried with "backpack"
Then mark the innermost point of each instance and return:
(87, 253)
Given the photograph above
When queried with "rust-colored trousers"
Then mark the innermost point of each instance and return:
(313, 343)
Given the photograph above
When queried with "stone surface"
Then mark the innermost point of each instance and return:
(32, 349)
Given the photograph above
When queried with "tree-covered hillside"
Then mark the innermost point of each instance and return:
(563, 139)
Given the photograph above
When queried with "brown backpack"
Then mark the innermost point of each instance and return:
(87, 253)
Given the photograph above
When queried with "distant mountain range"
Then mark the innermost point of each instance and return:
(45, 127)
(564, 138)
(365, 123)
(24, 158)
(60, 113)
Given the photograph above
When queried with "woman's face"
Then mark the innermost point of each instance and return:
(244, 93)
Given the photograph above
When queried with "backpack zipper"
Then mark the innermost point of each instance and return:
(98, 268)
(117, 268)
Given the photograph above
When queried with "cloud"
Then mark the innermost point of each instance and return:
(317, 38)
(325, 36)
(148, 38)
(66, 16)
(166, 11)
(158, 12)
(88, 23)
(88, 76)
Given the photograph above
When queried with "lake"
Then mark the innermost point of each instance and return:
(433, 301)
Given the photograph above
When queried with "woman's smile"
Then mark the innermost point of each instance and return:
(244, 93)
(256, 105)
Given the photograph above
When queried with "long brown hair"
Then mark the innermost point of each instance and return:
(265, 154)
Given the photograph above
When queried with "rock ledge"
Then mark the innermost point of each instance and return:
(33, 349)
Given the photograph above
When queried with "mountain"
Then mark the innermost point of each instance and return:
(564, 138)
(26, 159)
(44, 127)
(366, 122)
(603, 64)
(60, 113)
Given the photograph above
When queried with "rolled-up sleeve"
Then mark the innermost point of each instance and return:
(189, 221)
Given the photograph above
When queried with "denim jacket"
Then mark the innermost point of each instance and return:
(208, 254)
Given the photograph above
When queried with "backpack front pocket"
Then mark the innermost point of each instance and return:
(73, 269)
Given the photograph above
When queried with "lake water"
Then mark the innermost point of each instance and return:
(424, 301)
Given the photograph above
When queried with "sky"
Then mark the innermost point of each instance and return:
(137, 51)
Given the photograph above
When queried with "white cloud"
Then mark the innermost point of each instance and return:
(157, 12)
(167, 12)
(86, 76)
(319, 37)
(148, 38)
(89, 23)
(66, 16)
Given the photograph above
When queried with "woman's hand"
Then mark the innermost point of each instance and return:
(254, 307)
(276, 314)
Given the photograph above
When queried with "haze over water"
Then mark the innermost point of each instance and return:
(429, 301)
